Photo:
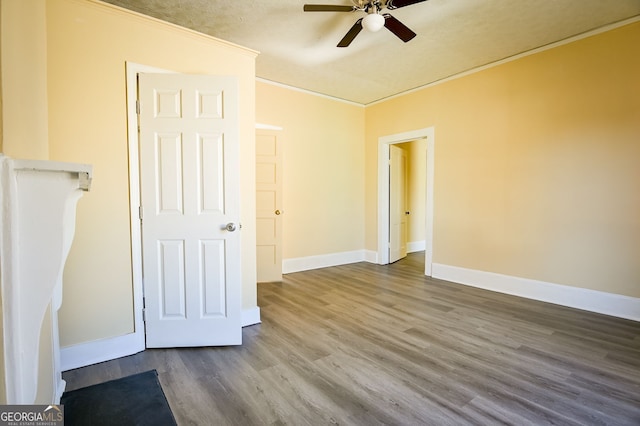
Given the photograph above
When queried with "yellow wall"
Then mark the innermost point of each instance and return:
(536, 164)
(536, 160)
(23, 124)
(323, 163)
(88, 45)
(24, 79)
(1, 108)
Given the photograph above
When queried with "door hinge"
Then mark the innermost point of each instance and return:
(140, 212)
(138, 106)
(144, 309)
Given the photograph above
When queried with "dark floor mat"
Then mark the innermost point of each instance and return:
(131, 400)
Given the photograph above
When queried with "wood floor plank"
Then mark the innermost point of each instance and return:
(366, 344)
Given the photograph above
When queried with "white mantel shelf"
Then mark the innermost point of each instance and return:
(83, 171)
(37, 224)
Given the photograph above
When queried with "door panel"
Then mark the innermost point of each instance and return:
(169, 166)
(172, 285)
(211, 173)
(213, 274)
(189, 185)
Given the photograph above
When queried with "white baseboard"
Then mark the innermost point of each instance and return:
(371, 256)
(62, 385)
(574, 297)
(97, 351)
(251, 316)
(322, 261)
(415, 246)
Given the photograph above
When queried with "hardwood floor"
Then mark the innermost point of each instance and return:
(366, 344)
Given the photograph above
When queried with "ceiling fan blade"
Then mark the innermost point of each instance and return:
(398, 28)
(394, 4)
(327, 8)
(353, 32)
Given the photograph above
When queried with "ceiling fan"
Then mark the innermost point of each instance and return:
(374, 19)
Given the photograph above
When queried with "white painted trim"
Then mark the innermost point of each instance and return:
(59, 391)
(99, 351)
(430, 200)
(174, 27)
(32, 296)
(308, 92)
(383, 192)
(540, 49)
(371, 256)
(415, 246)
(251, 316)
(550, 46)
(117, 347)
(574, 297)
(299, 264)
(260, 126)
(132, 71)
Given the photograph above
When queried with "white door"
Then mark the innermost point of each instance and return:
(189, 184)
(269, 205)
(397, 203)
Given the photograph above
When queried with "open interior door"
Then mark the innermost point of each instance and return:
(397, 203)
(189, 185)
(269, 205)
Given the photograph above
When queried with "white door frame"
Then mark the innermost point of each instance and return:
(427, 133)
(132, 70)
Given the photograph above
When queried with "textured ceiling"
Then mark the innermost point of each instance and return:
(299, 48)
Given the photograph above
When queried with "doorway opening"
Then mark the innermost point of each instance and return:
(384, 144)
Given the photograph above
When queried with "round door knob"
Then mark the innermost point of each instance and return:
(230, 227)
(278, 212)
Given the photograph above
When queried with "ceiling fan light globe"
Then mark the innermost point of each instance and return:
(373, 22)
